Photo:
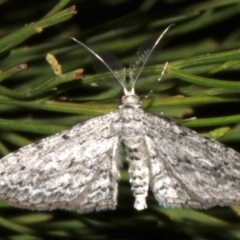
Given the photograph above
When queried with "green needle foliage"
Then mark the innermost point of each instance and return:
(200, 89)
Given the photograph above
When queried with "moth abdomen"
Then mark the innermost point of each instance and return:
(138, 172)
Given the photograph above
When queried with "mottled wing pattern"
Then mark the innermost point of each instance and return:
(189, 170)
(75, 170)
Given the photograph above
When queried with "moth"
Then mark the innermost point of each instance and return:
(78, 169)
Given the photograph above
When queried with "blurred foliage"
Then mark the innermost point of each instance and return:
(201, 82)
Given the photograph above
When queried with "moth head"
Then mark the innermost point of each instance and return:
(130, 99)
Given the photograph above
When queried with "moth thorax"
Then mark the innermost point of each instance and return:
(130, 101)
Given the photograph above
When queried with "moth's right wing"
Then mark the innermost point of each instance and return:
(74, 170)
(189, 170)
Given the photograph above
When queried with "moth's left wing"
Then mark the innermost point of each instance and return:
(74, 170)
